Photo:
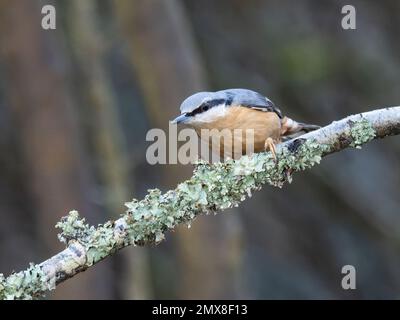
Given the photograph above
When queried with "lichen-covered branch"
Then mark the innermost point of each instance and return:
(212, 188)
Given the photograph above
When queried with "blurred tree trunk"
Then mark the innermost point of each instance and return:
(89, 45)
(48, 133)
(169, 69)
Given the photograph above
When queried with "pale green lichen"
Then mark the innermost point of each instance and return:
(212, 188)
(26, 285)
(73, 227)
(361, 132)
(98, 242)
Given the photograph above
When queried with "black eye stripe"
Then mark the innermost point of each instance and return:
(206, 106)
(215, 102)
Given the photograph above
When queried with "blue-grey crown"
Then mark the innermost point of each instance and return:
(195, 100)
(242, 97)
(203, 101)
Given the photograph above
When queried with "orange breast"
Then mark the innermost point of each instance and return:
(237, 120)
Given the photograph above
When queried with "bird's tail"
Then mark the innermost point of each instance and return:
(292, 129)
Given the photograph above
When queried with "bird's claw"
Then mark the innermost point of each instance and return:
(270, 146)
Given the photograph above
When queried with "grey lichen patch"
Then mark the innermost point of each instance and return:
(361, 132)
(25, 285)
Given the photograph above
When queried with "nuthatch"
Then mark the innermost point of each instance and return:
(241, 109)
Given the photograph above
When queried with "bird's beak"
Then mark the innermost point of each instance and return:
(180, 119)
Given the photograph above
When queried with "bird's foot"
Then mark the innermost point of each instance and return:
(270, 146)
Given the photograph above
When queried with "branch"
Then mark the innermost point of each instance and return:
(212, 188)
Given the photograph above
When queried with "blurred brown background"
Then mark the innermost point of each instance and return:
(76, 103)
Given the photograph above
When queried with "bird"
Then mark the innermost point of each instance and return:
(235, 111)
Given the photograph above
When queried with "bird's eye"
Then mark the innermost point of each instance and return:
(205, 107)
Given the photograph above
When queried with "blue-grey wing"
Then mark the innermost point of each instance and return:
(250, 99)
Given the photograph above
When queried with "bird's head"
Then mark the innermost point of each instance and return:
(202, 107)
(207, 107)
